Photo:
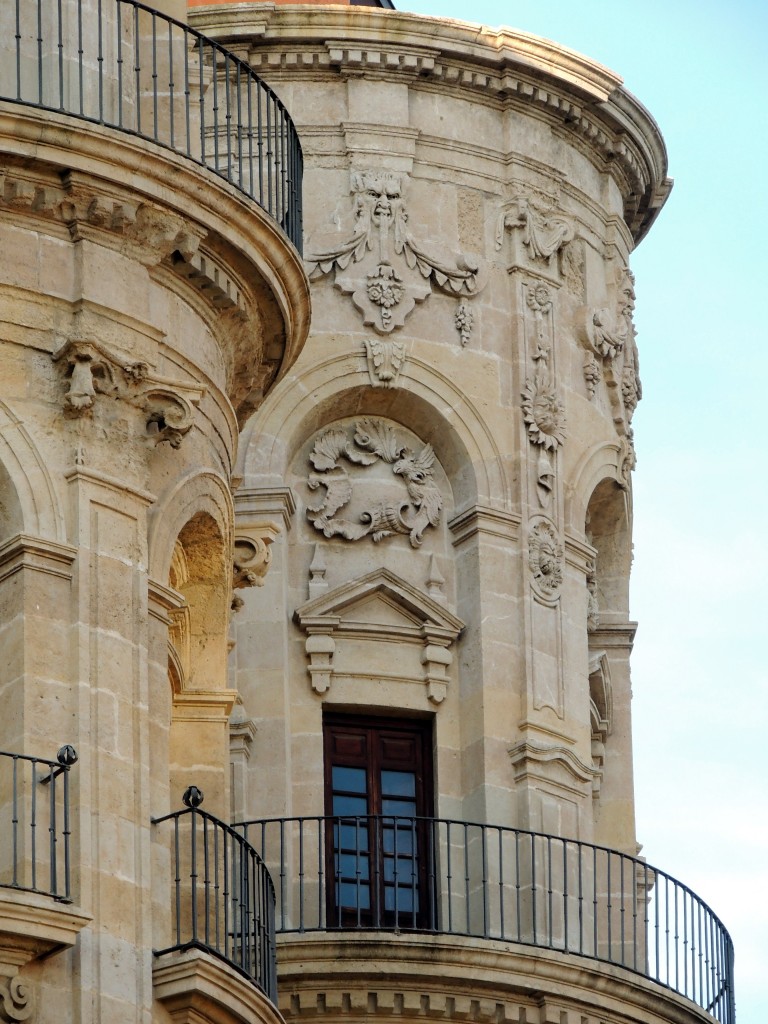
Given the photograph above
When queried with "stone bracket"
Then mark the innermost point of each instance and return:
(92, 369)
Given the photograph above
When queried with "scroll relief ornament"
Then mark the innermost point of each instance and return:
(373, 441)
(543, 411)
(252, 558)
(17, 1000)
(91, 370)
(384, 268)
(545, 560)
(608, 333)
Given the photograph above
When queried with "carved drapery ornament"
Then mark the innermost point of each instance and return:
(542, 231)
(394, 271)
(410, 512)
(92, 370)
(545, 560)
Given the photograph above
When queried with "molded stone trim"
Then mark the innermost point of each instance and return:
(25, 552)
(35, 926)
(328, 616)
(197, 988)
(484, 981)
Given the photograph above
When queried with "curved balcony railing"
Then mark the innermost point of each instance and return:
(222, 898)
(35, 823)
(122, 64)
(485, 881)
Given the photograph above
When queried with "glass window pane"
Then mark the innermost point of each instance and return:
(353, 897)
(349, 805)
(405, 899)
(352, 838)
(347, 866)
(397, 806)
(351, 780)
(398, 783)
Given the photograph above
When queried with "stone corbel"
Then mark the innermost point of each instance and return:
(171, 412)
(252, 556)
(320, 647)
(436, 659)
(91, 370)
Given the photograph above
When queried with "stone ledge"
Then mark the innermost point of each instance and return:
(33, 926)
(197, 988)
(343, 977)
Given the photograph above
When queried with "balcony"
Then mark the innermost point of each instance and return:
(436, 877)
(122, 65)
(221, 897)
(36, 916)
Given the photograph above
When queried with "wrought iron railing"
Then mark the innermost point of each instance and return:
(122, 64)
(222, 898)
(35, 823)
(462, 878)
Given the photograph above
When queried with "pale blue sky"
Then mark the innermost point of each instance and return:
(701, 558)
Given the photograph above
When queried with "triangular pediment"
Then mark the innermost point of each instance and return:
(379, 599)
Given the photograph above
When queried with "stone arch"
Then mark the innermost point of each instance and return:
(26, 484)
(426, 402)
(603, 462)
(607, 528)
(196, 492)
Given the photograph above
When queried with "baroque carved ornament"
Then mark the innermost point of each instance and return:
(91, 370)
(545, 560)
(540, 235)
(17, 999)
(410, 511)
(608, 335)
(543, 411)
(381, 264)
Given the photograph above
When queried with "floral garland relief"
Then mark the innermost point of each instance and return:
(373, 441)
(394, 270)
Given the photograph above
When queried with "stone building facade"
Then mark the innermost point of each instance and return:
(328, 616)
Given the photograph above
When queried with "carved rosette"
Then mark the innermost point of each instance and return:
(381, 264)
(90, 370)
(410, 511)
(17, 999)
(545, 560)
(543, 412)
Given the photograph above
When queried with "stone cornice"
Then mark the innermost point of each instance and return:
(587, 100)
(195, 987)
(119, 184)
(36, 926)
(38, 553)
(484, 981)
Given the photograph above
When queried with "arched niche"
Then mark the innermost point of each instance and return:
(205, 586)
(427, 403)
(27, 492)
(607, 528)
(11, 515)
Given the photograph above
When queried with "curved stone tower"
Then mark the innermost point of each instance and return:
(444, 629)
(397, 781)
